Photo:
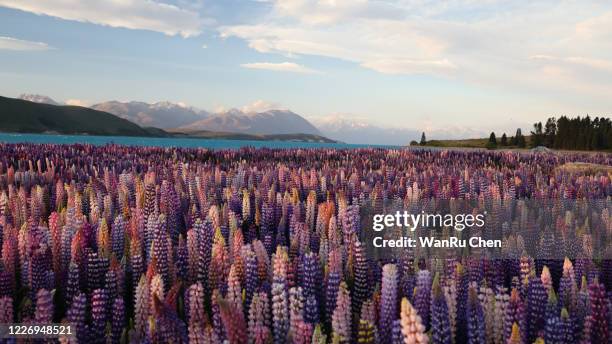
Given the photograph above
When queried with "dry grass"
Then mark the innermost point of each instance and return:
(586, 168)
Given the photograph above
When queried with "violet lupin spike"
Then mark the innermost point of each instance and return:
(461, 335)
(182, 260)
(234, 290)
(423, 295)
(440, 324)
(118, 233)
(280, 304)
(6, 310)
(333, 285)
(72, 284)
(598, 313)
(450, 295)
(296, 308)
(536, 305)
(251, 275)
(361, 289)
(475, 319)
(233, 321)
(396, 333)
(388, 306)
(44, 307)
(567, 328)
(567, 286)
(117, 320)
(259, 333)
(99, 301)
(141, 308)
(76, 316)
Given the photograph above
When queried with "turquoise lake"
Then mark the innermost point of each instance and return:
(171, 142)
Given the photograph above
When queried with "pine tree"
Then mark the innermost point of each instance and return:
(423, 139)
(492, 144)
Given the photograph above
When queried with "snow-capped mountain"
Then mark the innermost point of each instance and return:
(160, 115)
(357, 131)
(266, 122)
(37, 98)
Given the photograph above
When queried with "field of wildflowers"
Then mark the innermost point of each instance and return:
(170, 245)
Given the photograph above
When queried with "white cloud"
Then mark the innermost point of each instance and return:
(409, 66)
(130, 14)
(10, 43)
(261, 106)
(280, 67)
(483, 43)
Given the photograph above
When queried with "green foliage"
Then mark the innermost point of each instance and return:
(577, 133)
(492, 143)
(504, 140)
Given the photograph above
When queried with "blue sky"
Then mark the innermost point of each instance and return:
(420, 64)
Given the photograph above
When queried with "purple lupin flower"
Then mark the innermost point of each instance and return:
(536, 307)
(233, 322)
(141, 308)
(6, 310)
(311, 281)
(72, 285)
(76, 316)
(396, 333)
(280, 305)
(99, 301)
(168, 327)
(552, 307)
(388, 302)
(423, 295)
(333, 284)
(475, 319)
(598, 313)
(205, 234)
(259, 331)
(361, 288)
(296, 308)
(117, 320)
(568, 328)
(44, 307)
(118, 236)
(440, 324)
(181, 264)
(251, 275)
(159, 247)
(567, 286)
(582, 303)
(553, 330)
(461, 335)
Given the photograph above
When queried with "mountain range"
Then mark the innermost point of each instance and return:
(178, 117)
(160, 115)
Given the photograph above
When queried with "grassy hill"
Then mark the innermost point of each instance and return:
(470, 143)
(22, 116)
